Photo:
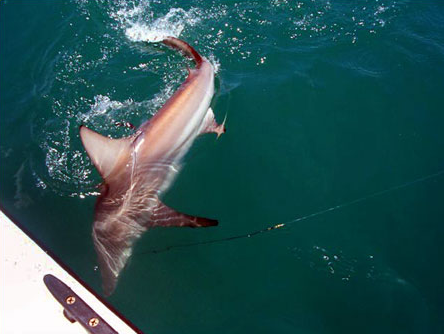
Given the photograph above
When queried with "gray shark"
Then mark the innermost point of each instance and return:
(138, 169)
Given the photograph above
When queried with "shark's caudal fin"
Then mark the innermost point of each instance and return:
(106, 153)
(187, 49)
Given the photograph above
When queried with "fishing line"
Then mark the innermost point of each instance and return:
(291, 223)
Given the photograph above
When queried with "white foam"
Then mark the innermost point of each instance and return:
(215, 62)
(104, 105)
(141, 32)
(172, 24)
(128, 13)
(140, 25)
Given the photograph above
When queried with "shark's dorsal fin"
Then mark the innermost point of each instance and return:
(105, 153)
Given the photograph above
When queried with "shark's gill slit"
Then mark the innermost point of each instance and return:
(290, 223)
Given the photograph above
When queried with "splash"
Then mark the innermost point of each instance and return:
(103, 106)
(66, 168)
(104, 110)
(139, 25)
(172, 24)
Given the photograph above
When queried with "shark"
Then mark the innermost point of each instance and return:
(136, 170)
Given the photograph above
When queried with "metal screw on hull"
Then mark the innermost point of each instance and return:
(93, 322)
(70, 300)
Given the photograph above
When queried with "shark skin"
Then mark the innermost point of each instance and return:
(138, 169)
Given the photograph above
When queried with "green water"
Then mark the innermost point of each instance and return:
(328, 102)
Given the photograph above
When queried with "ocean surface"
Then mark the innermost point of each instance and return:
(335, 128)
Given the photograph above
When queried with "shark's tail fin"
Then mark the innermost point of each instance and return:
(187, 49)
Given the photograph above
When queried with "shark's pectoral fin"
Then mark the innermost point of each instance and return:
(210, 125)
(114, 240)
(106, 153)
(167, 217)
